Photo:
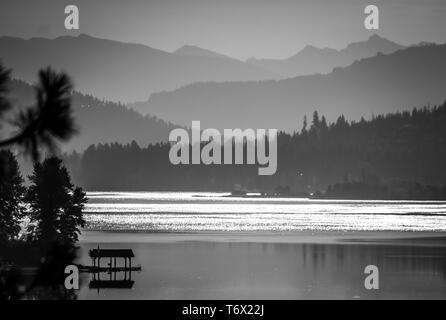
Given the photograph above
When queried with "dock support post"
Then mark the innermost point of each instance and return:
(130, 270)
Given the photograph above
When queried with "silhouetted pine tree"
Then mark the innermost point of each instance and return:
(55, 204)
(49, 121)
(11, 197)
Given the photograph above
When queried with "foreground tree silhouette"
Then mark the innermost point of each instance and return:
(49, 121)
(55, 205)
(11, 197)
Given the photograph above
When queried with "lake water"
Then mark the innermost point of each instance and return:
(242, 269)
(209, 246)
(181, 211)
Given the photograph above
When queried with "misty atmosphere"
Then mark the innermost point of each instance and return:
(85, 174)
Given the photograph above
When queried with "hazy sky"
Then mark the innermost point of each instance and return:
(239, 28)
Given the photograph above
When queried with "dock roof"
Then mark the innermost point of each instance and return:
(111, 253)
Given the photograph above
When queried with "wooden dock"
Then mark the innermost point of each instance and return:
(97, 254)
(91, 269)
(111, 269)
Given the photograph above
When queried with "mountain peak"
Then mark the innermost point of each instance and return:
(309, 48)
(374, 44)
(375, 37)
(187, 47)
(191, 50)
(80, 36)
(85, 36)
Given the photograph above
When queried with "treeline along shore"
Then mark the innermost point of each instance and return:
(394, 156)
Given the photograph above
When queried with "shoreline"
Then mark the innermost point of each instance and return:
(292, 237)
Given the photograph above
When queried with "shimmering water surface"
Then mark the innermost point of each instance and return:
(192, 211)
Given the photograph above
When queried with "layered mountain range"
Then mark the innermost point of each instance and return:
(119, 71)
(370, 77)
(322, 60)
(415, 76)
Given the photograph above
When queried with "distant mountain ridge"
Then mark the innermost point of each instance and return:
(415, 76)
(120, 71)
(312, 60)
(129, 72)
(189, 50)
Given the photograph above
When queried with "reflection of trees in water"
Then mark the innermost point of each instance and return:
(408, 257)
(46, 281)
(10, 279)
